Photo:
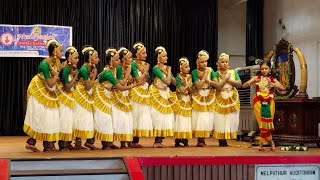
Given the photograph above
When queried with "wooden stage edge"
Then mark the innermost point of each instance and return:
(13, 147)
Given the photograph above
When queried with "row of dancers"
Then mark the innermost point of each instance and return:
(120, 103)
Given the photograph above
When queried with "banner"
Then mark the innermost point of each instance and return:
(30, 40)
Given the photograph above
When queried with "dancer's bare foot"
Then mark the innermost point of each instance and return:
(32, 148)
(69, 146)
(201, 144)
(79, 147)
(112, 146)
(273, 146)
(261, 147)
(159, 145)
(91, 146)
(135, 145)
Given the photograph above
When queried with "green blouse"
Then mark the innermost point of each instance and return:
(195, 77)
(134, 69)
(83, 73)
(44, 68)
(64, 75)
(107, 75)
(178, 80)
(158, 73)
(119, 74)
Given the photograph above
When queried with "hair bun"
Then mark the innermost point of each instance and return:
(224, 56)
(71, 49)
(183, 60)
(204, 53)
(88, 48)
(159, 49)
(111, 50)
(138, 45)
(50, 42)
(123, 49)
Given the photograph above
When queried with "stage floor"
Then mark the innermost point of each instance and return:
(13, 147)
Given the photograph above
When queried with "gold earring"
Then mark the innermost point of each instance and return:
(55, 56)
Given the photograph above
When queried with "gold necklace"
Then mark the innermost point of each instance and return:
(222, 73)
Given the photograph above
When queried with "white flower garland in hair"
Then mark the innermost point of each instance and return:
(183, 60)
(204, 53)
(159, 49)
(138, 45)
(71, 49)
(112, 51)
(123, 49)
(224, 55)
(88, 49)
(51, 41)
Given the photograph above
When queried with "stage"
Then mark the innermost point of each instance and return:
(239, 160)
(13, 147)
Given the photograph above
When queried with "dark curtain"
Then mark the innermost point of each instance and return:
(183, 27)
(254, 31)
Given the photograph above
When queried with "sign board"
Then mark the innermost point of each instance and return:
(287, 172)
(30, 40)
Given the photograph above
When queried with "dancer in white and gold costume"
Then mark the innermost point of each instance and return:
(42, 116)
(203, 99)
(83, 119)
(142, 121)
(121, 103)
(162, 99)
(66, 86)
(102, 100)
(183, 107)
(227, 104)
